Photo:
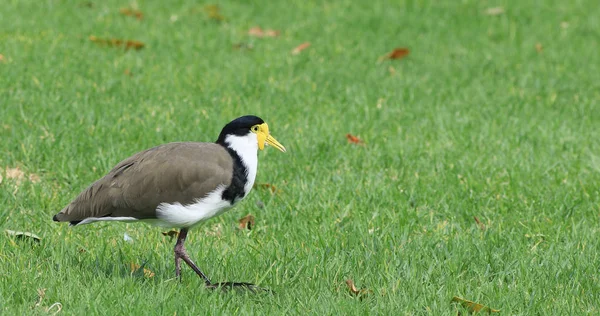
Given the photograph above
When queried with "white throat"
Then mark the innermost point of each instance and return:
(247, 148)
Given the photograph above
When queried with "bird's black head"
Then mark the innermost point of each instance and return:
(240, 127)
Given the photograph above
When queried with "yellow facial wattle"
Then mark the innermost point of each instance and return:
(264, 136)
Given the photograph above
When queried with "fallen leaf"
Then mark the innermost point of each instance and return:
(127, 44)
(134, 267)
(14, 173)
(397, 53)
(172, 233)
(300, 48)
(256, 31)
(354, 291)
(18, 175)
(538, 47)
(2, 58)
(474, 307)
(354, 139)
(213, 12)
(127, 72)
(23, 235)
(267, 186)
(481, 225)
(271, 33)
(246, 222)
(494, 11)
(259, 32)
(132, 12)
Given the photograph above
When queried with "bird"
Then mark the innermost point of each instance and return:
(179, 185)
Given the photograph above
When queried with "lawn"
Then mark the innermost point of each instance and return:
(478, 174)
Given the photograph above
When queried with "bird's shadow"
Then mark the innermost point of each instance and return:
(122, 266)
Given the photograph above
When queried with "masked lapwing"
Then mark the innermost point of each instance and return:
(178, 184)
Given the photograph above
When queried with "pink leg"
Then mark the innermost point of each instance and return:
(180, 253)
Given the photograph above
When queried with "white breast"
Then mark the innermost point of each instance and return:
(247, 148)
(177, 215)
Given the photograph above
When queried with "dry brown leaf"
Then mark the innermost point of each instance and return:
(246, 222)
(481, 225)
(300, 48)
(137, 45)
(134, 267)
(397, 53)
(474, 307)
(14, 173)
(256, 31)
(127, 44)
(354, 139)
(127, 72)
(271, 33)
(354, 291)
(213, 12)
(268, 186)
(538, 47)
(494, 11)
(259, 32)
(172, 233)
(132, 12)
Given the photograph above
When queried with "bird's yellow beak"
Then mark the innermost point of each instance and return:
(265, 137)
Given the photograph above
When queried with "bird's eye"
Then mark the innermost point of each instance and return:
(255, 128)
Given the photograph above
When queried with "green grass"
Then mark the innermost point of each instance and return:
(474, 122)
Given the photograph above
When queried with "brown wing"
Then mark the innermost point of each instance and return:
(175, 172)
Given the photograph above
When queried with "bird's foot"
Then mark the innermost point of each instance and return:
(238, 286)
(177, 267)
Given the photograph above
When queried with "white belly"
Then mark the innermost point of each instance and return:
(177, 215)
